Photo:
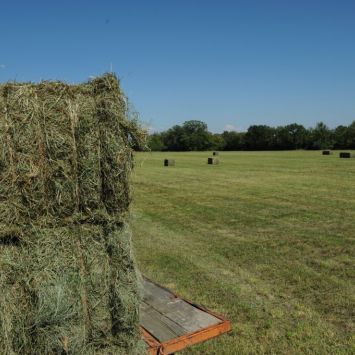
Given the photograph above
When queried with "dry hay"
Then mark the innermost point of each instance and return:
(68, 280)
(213, 161)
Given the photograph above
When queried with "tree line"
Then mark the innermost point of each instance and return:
(194, 135)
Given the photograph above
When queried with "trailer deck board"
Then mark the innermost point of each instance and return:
(170, 323)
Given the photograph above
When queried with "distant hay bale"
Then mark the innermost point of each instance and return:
(68, 280)
(345, 155)
(215, 153)
(213, 161)
(169, 162)
(327, 152)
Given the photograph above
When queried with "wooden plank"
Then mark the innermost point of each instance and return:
(157, 324)
(152, 345)
(165, 315)
(170, 324)
(178, 344)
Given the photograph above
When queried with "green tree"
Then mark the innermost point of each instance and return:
(320, 137)
(155, 142)
(292, 136)
(173, 139)
(340, 135)
(192, 135)
(217, 141)
(260, 137)
(195, 135)
(233, 140)
(350, 136)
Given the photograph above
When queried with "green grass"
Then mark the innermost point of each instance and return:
(265, 238)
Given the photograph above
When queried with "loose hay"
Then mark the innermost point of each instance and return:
(68, 279)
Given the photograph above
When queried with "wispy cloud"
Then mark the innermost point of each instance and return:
(229, 127)
(2, 66)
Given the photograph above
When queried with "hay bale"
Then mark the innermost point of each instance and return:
(345, 155)
(327, 152)
(213, 161)
(215, 153)
(169, 162)
(67, 275)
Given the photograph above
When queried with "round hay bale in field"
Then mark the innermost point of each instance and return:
(67, 275)
(215, 153)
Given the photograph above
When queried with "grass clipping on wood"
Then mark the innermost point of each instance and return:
(68, 281)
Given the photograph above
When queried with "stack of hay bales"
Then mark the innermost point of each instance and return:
(68, 281)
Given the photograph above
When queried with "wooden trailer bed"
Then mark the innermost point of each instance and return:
(170, 323)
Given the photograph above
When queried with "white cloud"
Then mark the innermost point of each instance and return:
(2, 66)
(229, 127)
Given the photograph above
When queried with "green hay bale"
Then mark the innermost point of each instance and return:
(327, 152)
(169, 162)
(88, 151)
(345, 155)
(212, 161)
(67, 274)
(116, 153)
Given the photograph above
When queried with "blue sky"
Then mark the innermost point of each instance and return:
(228, 63)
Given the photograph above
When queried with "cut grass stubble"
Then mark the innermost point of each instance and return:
(265, 238)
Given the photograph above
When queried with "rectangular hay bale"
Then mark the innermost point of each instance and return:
(68, 280)
(169, 162)
(345, 155)
(212, 161)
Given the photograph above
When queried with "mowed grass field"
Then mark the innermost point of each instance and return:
(265, 238)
